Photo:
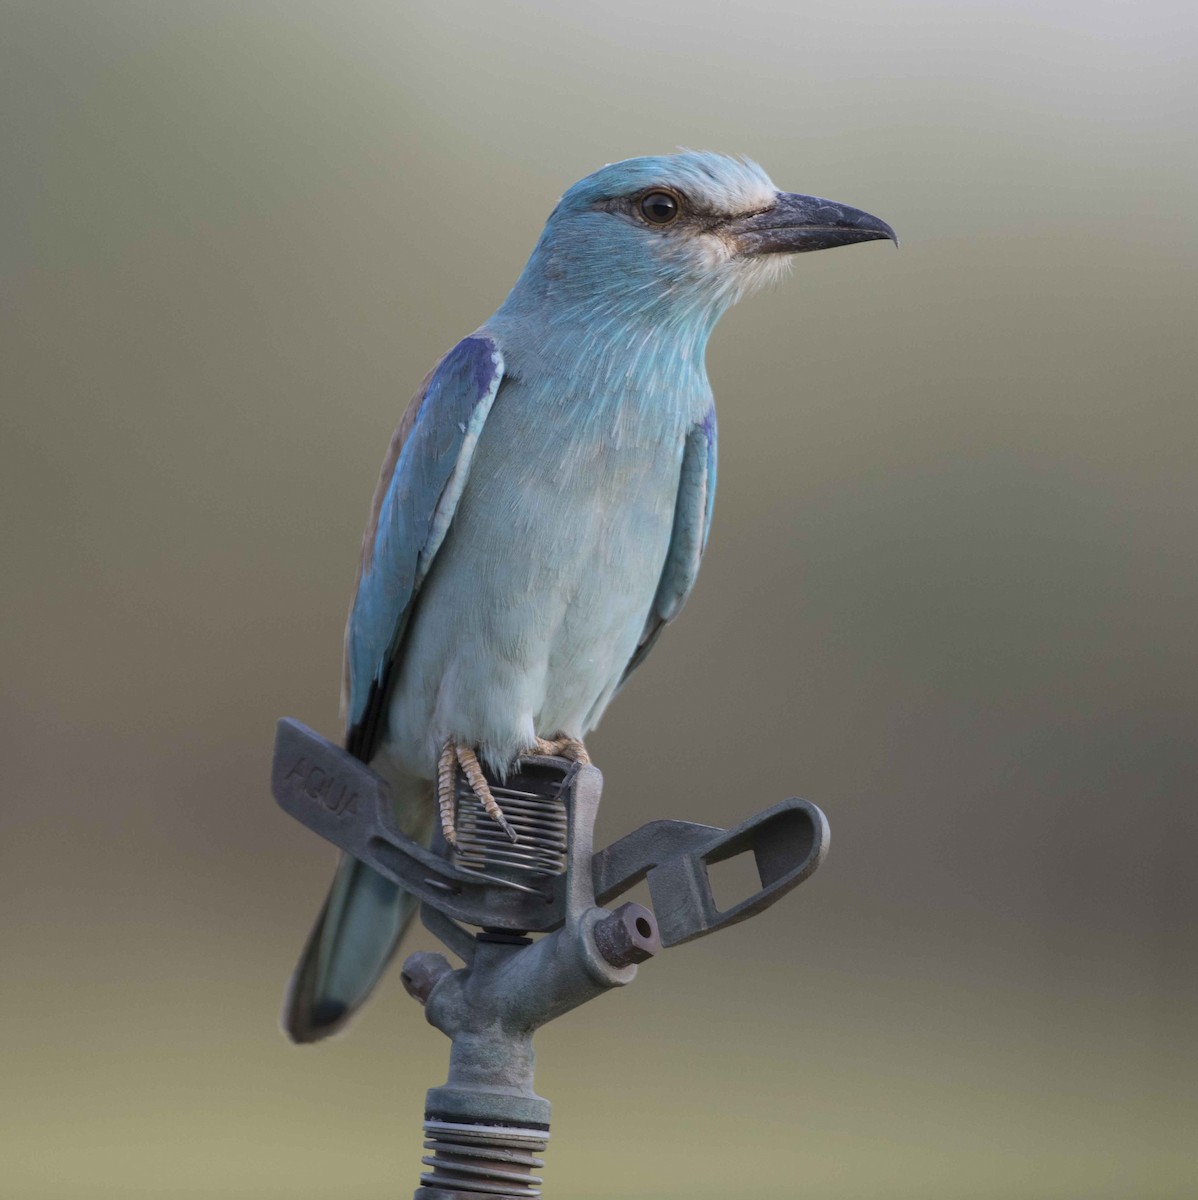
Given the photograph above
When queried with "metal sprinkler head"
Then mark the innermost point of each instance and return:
(486, 1127)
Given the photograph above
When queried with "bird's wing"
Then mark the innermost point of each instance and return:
(692, 522)
(421, 482)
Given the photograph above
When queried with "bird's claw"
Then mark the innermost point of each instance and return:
(453, 756)
(570, 748)
(502, 821)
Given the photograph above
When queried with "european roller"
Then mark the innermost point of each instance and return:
(542, 510)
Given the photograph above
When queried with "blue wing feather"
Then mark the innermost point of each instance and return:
(688, 540)
(417, 496)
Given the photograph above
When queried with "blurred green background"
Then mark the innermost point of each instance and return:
(950, 595)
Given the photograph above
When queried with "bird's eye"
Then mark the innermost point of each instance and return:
(659, 208)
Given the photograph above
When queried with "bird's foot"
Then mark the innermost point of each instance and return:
(563, 747)
(454, 755)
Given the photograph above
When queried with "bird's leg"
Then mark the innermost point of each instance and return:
(563, 747)
(478, 784)
(453, 754)
(447, 769)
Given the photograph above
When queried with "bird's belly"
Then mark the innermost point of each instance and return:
(535, 604)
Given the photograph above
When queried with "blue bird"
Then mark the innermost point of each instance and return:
(542, 510)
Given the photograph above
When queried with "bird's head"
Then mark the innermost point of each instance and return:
(676, 239)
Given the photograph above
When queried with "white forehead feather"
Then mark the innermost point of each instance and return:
(719, 182)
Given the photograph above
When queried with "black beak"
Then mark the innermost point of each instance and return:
(797, 224)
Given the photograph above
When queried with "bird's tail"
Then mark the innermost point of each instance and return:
(355, 937)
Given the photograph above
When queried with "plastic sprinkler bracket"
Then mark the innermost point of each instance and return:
(486, 1127)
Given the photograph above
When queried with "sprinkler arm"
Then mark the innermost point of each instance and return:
(337, 796)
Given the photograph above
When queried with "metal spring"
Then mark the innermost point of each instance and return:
(485, 851)
(497, 1160)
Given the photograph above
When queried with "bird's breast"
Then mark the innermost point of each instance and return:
(541, 591)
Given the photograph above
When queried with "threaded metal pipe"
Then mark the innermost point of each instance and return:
(477, 1162)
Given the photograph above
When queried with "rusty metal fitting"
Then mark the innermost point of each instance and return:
(628, 935)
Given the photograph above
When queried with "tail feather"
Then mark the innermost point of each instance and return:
(352, 942)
